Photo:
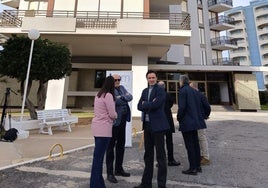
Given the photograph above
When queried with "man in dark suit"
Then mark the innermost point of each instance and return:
(190, 119)
(118, 140)
(169, 138)
(155, 125)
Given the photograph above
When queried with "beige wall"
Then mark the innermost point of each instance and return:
(246, 91)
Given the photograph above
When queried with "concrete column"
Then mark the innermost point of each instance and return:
(207, 32)
(195, 38)
(139, 68)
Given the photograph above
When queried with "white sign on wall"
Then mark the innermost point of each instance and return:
(126, 81)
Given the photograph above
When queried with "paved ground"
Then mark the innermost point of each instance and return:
(238, 144)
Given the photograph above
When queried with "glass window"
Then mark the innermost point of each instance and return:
(161, 76)
(100, 76)
(186, 51)
(171, 86)
(204, 57)
(202, 35)
(173, 76)
(200, 16)
(219, 76)
(196, 76)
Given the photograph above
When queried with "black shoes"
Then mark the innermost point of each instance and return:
(199, 169)
(122, 173)
(190, 172)
(142, 186)
(112, 179)
(174, 163)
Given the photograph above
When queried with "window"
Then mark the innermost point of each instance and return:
(186, 51)
(200, 16)
(204, 57)
(202, 35)
(100, 76)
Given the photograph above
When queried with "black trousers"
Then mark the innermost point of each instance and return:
(154, 140)
(193, 148)
(169, 144)
(117, 143)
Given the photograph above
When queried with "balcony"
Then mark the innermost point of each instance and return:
(11, 3)
(221, 23)
(223, 43)
(104, 33)
(93, 20)
(225, 61)
(220, 5)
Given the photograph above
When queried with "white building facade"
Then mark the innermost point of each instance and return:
(172, 37)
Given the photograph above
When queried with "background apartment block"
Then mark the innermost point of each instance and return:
(138, 35)
(251, 34)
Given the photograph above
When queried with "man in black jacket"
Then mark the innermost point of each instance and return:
(155, 124)
(169, 139)
(190, 119)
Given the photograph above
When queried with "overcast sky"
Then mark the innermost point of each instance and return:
(237, 3)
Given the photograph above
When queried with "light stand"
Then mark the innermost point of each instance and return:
(33, 35)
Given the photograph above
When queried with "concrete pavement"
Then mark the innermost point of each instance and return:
(238, 144)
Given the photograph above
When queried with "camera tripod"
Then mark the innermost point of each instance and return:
(4, 111)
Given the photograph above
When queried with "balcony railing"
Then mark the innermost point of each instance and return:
(221, 20)
(225, 61)
(100, 20)
(223, 40)
(215, 2)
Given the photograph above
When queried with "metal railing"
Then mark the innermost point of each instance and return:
(225, 61)
(91, 19)
(221, 20)
(223, 40)
(215, 2)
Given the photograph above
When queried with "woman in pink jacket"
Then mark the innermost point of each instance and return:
(102, 124)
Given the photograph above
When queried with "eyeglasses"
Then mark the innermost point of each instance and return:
(117, 80)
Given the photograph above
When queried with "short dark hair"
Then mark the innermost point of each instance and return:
(107, 87)
(150, 72)
(184, 78)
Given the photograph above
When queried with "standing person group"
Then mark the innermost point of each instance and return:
(202, 135)
(155, 124)
(109, 124)
(169, 134)
(117, 142)
(191, 117)
(102, 124)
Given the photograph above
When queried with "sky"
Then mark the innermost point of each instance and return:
(237, 3)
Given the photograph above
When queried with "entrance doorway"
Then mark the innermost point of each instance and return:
(214, 93)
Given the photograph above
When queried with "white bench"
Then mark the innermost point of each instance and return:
(50, 118)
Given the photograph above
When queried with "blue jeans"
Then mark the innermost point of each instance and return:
(96, 179)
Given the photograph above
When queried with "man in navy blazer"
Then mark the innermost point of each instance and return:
(155, 124)
(190, 119)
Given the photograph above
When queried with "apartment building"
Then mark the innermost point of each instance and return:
(173, 37)
(251, 34)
